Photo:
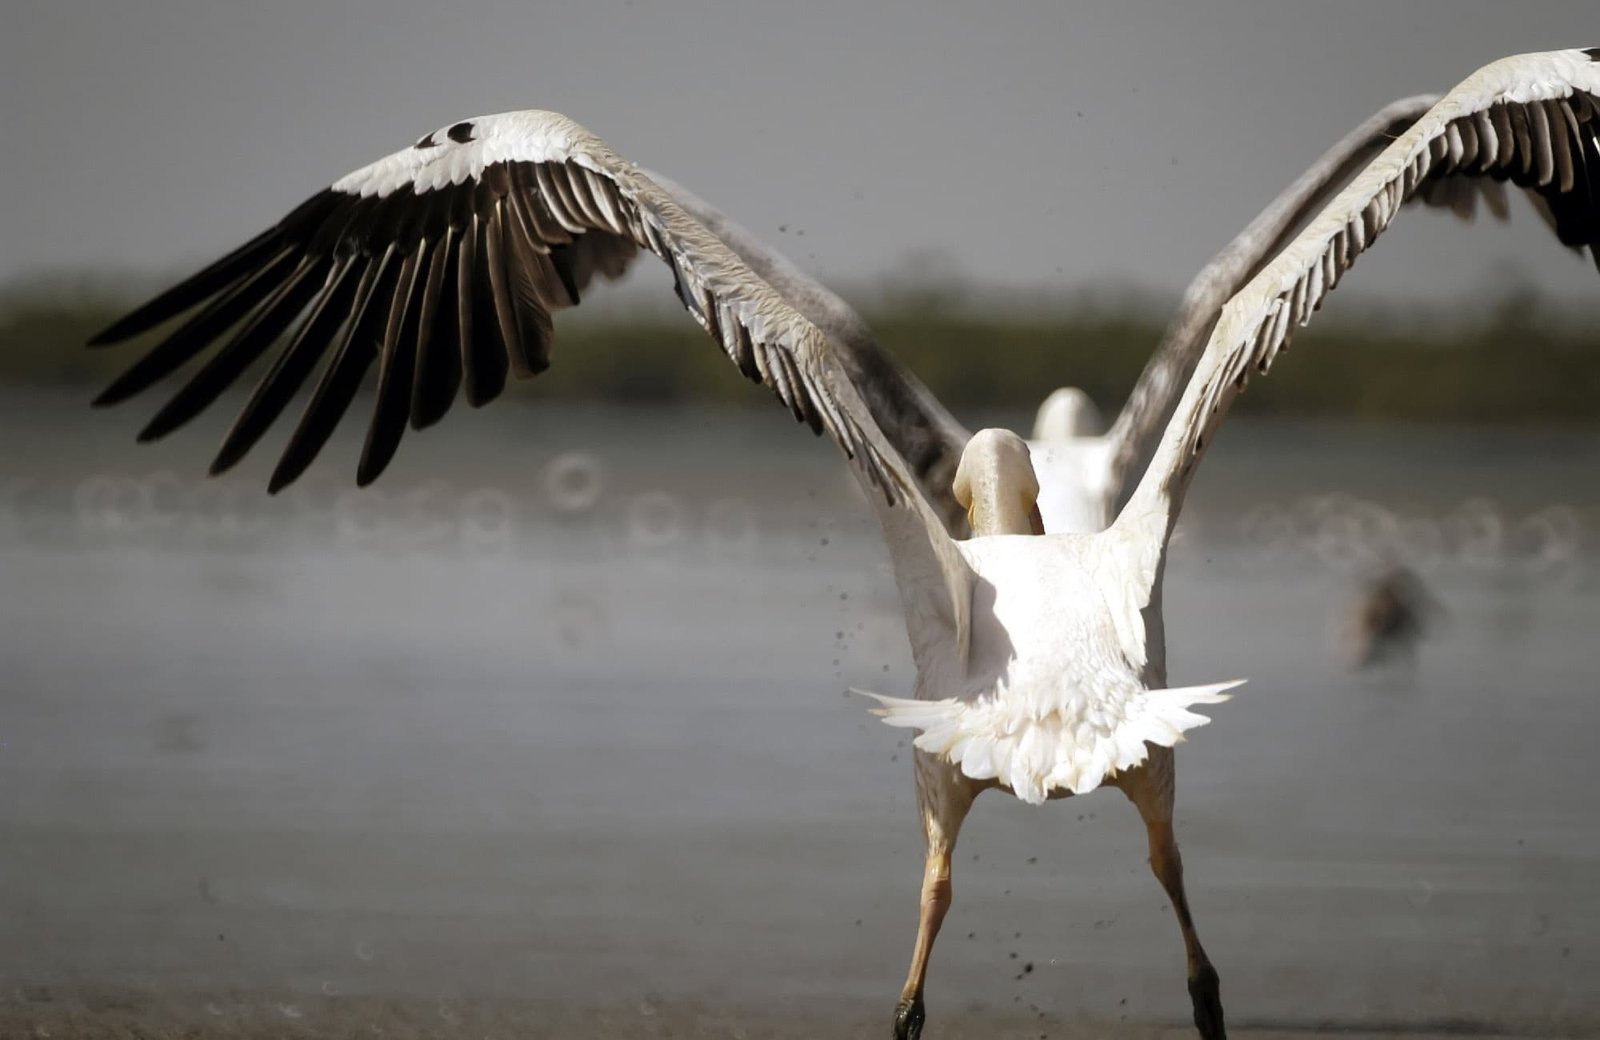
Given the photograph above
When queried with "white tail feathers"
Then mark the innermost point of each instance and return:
(1075, 748)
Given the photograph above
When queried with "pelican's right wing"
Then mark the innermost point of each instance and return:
(1457, 188)
(1533, 119)
(443, 263)
(928, 437)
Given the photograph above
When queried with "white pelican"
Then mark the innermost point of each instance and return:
(1040, 657)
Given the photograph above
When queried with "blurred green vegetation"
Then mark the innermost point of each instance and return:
(1515, 359)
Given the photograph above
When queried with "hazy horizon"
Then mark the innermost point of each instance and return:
(1046, 147)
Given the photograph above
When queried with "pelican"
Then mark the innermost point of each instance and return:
(1040, 657)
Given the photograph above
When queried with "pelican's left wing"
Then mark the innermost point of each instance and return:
(1454, 186)
(1133, 437)
(1533, 119)
(443, 263)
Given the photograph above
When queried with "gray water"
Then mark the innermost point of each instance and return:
(556, 712)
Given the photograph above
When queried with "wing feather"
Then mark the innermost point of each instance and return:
(293, 365)
(259, 332)
(396, 368)
(1138, 426)
(197, 333)
(1468, 161)
(341, 378)
(438, 371)
(1253, 325)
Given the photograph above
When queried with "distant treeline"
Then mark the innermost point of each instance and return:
(1511, 360)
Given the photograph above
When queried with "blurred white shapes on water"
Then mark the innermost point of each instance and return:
(1336, 531)
(574, 482)
(122, 504)
(488, 520)
(164, 508)
(732, 532)
(656, 519)
(1352, 535)
(430, 516)
(1420, 540)
(431, 505)
(1390, 615)
(360, 517)
(1349, 533)
(1478, 532)
(1548, 541)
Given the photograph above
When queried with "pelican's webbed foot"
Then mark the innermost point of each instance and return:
(909, 1016)
(1205, 990)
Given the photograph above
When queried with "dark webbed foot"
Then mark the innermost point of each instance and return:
(908, 1019)
(1206, 992)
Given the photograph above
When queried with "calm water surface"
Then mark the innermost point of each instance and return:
(556, 712)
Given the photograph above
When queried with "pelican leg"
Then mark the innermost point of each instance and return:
(1150, 788)
(944, 797)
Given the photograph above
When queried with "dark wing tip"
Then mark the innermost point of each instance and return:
(369, 471)
(421, 421)
(247, 429)
(296, 459)
(119, 331)
(153, 431)
(135, 322)
(1593, 53)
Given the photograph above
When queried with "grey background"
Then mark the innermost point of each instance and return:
(1043, 145)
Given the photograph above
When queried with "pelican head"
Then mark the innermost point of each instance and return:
(996, 485)
(1065, 414)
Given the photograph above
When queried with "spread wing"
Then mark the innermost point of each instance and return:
(1456, 187)
(444, 262)
(928, 437)
(1533, 120)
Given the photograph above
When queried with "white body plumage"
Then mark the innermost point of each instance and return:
(1054, 696)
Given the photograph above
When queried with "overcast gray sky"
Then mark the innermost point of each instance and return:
(1067, 143)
